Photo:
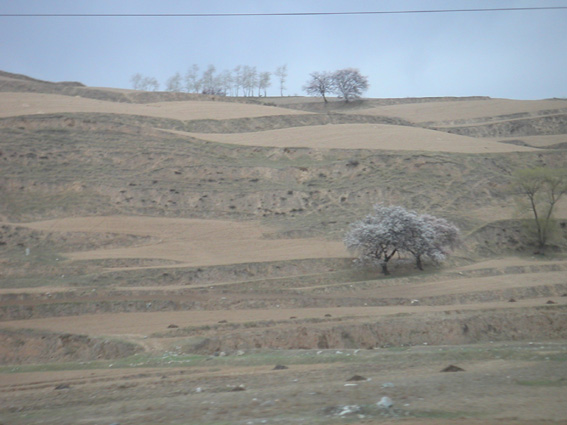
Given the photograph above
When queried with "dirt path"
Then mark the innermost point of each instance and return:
(463, 285)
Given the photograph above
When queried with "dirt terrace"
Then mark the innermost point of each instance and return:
(181, 284)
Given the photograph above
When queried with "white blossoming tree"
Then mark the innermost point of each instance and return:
(390, 230)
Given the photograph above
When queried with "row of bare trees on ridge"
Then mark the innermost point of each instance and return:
(243, 80)
(247, 81)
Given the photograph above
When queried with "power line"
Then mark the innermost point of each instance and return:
(218, 15)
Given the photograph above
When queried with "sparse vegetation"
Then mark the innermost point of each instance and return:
(216, 256)
(543, 187)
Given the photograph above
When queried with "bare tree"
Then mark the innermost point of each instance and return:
(173, 83)
(208, 80)
(139, 82)
(192, 82)
(349, 83)
(150, 84)
(263, 82)
(237, 79)
(390, 230)
(319, 84)
(224, 82)
(136, 81)
(281, 74)
(249, 80)
(543, 187)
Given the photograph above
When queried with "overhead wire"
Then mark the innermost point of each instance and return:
(235, 15)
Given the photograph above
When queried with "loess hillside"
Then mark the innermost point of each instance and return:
(178, 258)
(294, 163)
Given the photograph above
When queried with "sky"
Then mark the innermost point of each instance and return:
(504, 54)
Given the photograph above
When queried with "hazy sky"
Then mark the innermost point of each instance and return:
(514, 54)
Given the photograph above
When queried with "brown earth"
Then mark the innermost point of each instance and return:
(463, 112)
(364, 136)
(192, 242)
(18, 104)
(151, 277)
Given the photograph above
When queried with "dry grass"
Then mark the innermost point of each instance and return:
(142, 211)
(534, 141)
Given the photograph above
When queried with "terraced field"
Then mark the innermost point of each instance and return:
(170, 258)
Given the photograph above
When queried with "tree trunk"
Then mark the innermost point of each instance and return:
(384, 262)
(418, 262)
(540, 233)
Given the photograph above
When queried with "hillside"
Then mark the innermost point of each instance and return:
(268, 162)
(189, 241)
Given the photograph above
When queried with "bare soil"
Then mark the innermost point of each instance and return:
(192, 242)
(156, 277)
(16, 104)
(364, 136)
(457, 111)
(189, 346)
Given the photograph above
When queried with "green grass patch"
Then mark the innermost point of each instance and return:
(144, 360)
(135, 361)
(390, 355)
